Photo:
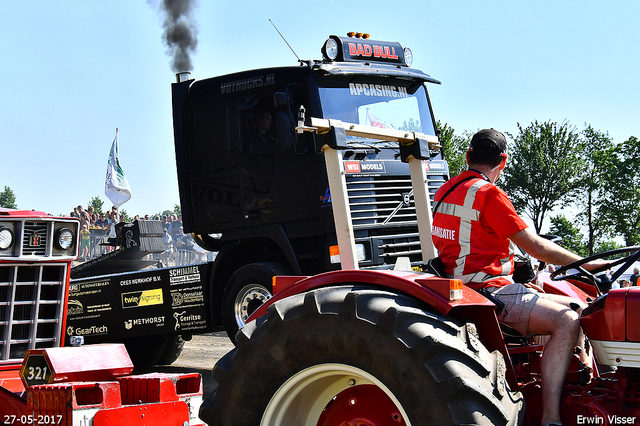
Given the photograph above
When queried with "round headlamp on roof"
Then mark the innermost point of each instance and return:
(6, 238)
(330, 49)
(408, 57)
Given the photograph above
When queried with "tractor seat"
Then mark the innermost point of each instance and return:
(436, 267)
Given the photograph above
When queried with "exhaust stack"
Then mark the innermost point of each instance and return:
(183, 76)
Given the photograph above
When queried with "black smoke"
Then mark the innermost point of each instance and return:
(180, 32)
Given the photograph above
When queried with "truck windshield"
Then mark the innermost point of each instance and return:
(394, 104)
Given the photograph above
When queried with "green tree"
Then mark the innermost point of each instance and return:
(97, 204)
(544, 168)
(454, 148)
(621, 177)
(595, 151)
(8, 198)
(572, 238)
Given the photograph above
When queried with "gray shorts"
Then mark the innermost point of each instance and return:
(518, 302)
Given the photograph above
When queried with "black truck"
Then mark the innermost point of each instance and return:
(260, 189)
(256, 189)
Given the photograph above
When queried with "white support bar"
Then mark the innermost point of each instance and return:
(359, 130)
(423, 207)
(341, 212)
(338, 184)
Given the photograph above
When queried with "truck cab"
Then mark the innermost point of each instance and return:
(255, 190)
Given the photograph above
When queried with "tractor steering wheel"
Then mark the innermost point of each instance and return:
(575, 270)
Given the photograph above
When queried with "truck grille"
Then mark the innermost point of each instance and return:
(383, 207)
(31, 304)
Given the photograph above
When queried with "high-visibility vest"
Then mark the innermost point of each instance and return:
(470, 252)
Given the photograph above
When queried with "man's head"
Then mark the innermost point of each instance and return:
(488, 148)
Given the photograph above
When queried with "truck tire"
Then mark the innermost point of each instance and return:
(356, 355)
(247, 289)
(146, 351)
(174, 347)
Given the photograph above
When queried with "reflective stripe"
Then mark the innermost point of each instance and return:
(482, 277)
(459, 211)
(467, 214)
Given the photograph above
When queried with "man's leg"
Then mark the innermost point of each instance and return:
(585, 355)
(563, 325)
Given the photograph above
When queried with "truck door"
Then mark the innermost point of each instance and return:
(276, 179)
(215, 201)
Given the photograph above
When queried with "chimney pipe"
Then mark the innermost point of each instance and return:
(183, 76)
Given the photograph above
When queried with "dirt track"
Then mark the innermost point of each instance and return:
(200, 355)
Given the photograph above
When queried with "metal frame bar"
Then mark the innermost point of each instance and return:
(338, 185)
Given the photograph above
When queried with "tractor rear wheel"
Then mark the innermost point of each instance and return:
(355, 355)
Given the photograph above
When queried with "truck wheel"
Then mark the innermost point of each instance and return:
(146, 351)
(247, 289)
(355, 355)
(173, 350)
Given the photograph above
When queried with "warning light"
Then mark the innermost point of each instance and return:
(455, 289)
(334, 253)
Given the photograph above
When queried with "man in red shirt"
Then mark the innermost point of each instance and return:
(475, 227)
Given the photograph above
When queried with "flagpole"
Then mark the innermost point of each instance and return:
(117, 207)
(117, 187)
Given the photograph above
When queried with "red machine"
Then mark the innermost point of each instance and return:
(44, 383)
(374, 347)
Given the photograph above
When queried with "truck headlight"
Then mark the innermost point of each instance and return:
(65, 239)
(6, 238)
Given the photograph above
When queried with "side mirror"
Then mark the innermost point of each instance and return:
(280, 99)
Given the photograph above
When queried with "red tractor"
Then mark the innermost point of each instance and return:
(42, 382)
(380, 347)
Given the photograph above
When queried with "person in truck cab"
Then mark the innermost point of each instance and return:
(260, 137)
(475, 227)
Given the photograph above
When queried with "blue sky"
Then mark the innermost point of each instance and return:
(73, 71)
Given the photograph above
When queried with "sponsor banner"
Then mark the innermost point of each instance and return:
(436, 167)
(150, 302)
(375, 167)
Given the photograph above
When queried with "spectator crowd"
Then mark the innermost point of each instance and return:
(180, 248)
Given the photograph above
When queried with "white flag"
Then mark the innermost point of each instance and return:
(116, 186)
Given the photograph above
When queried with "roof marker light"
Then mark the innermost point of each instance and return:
(358, 35)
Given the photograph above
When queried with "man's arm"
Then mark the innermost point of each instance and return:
(546, 251)
(543, 249)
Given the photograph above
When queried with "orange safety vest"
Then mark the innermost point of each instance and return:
(471, 229)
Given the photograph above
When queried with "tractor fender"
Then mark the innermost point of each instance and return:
(430, 289)
(434, 291)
